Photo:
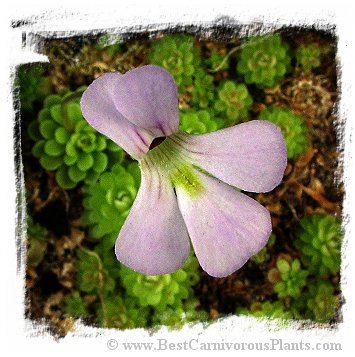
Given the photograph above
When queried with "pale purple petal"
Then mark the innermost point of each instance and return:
(98, 108)
(154, 238)
(147, 97)
(251, 156)
(226, 227)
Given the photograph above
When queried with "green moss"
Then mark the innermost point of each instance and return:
(264, 60)
(292, 127)
(319, 239)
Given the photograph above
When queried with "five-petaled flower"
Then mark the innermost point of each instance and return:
(179, 198)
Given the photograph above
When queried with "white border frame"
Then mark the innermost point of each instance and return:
(22, 335)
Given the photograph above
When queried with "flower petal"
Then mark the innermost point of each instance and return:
(147, 97)
(226, 227)
(98, 108)
(154, 238)
(251, 156)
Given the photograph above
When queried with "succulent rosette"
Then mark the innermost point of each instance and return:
(264, 60)
(186, 187)
(309, 57)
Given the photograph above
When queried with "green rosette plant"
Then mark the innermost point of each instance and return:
(178, 316)
(161, 291)
(217, 62)
(293, 128)
(37, 243)
(267, 309)
(293, 278)
(198, 122)
(264, 60)
(177, 54)
(204, 91)
(97, 276)
(92, 276)
(120, 313)
(66, 143)
(321, 303)
(109, 200)
(33, 85)
(234, 101)
(319, 239)
(75, 305)
(308, 57)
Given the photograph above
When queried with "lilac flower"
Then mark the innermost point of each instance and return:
(179, 199)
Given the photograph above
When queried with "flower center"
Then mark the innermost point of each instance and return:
(169, 158)
(156, 142)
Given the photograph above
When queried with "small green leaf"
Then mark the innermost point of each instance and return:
(61, 135)
(135, 171)
(75, 305)
(38, 149)
(74, 112)
(71, 150)
(51, 100)
(47, 128)
(85, 161)
(56, 113)
(45, 114)
(89, 281)
(91, 176)
(33, 131)
(100, 162)
(75, 174)
(111, 146)
(63, 179)
(50, 162)
(296, 266)
(52, 148)
(219, 105)
(70, 160)
(280, 288)
(108, 211)
(283, 266)
(101, 143)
